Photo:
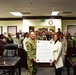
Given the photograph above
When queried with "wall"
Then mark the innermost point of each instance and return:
(17, 23)
(67, 22)
(37, 22)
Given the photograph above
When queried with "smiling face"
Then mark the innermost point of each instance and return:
(32, 35)
(55, 37)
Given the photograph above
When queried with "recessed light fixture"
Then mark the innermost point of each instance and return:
(16, 13)
(55, 12)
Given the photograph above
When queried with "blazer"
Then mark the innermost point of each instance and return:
(57, 54)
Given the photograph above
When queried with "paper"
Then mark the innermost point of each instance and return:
(44, 51)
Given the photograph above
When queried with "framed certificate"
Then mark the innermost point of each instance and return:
(44, 51)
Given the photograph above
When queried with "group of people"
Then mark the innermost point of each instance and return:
(9, 39)
(59, 51)
(60, 41)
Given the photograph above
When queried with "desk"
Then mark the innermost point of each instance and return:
(10, 63)
(71, 51)
(71, 63)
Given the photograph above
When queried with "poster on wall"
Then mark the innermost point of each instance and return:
(44, 51)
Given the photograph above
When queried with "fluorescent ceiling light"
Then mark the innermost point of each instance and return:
(55, 13)
(16, 13)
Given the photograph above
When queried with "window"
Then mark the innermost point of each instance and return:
(12, 29)
(72, 29)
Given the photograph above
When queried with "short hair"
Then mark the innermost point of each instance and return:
(58, 28)
(26, 34)
(17, 33)
(32, 32)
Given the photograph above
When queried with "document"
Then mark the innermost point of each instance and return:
(44, 51)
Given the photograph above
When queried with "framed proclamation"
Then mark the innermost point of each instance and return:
(44, 51)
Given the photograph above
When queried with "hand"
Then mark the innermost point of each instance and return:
(65, 53)
(4, 40)
(34, 59)
(53, 61)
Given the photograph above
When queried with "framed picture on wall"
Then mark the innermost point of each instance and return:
(71, 29)
(1, 29)
(11, 29)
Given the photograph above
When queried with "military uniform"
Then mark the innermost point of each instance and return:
(31, 54)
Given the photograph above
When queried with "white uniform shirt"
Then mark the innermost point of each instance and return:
(24, 41)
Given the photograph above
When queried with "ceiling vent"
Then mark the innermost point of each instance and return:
(25, 13)
(65, 13)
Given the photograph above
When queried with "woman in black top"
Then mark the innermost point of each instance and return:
(9, 38)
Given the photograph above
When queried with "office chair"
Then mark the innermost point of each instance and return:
(11, 50)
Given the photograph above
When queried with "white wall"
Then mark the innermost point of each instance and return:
(24, 25)
(67, 22)
(37, 22)
(17, 23)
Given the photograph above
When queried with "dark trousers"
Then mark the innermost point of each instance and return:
(25, 59)
(58, 71)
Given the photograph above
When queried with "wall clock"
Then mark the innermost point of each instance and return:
(50, 22)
